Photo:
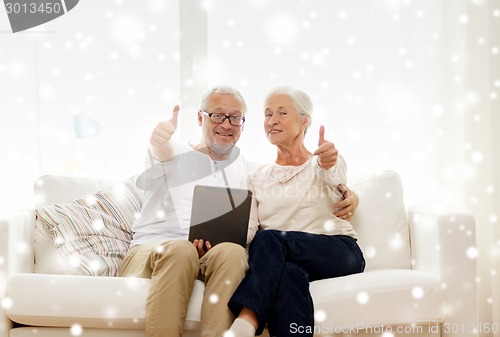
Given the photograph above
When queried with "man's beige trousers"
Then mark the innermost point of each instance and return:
(173, 266)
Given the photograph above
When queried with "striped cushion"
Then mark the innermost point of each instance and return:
(93, 233)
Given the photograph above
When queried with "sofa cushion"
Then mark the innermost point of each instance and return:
(92, 302)
(91, 234)
(381, 221)
(363, 300)
(65, 332)
(378, 298)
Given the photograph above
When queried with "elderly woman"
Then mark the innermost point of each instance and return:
(300, 239)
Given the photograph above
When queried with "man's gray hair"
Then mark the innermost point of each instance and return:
(222, 89)
(300, 99)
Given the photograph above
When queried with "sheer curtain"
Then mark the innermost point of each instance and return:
(481, 146)
(468, 156)
(467, 152)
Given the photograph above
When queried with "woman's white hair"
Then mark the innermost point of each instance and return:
(300, 99)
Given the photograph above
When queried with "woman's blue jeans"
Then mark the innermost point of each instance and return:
(281, 265)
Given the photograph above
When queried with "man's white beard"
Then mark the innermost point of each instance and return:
(220, 148)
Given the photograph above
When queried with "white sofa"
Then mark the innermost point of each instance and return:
(420, 278)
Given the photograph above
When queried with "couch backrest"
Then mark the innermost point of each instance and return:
(380, 219)
(60, 189)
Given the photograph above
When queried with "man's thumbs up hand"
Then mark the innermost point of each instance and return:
(326, 152)
(160, 138)
(175, 114)
(165, 130)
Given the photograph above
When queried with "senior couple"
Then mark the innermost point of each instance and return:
(293, 239)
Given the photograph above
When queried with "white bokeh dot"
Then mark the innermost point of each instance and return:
(396, 242)
(98, 225)
(477, 157)
(214, 298)
(94, 265)
(6, 303)
(282, 29)
(363, 297)
(417, 292)
(370, 252)
(76, 330)
(320, 316)
(472, 253)
(157, 5)
(437, 110)
(329, 225)
(91, 200)
(74, 260)
(207, 5)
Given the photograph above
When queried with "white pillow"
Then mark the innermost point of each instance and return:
(381, 221)
(91, 234)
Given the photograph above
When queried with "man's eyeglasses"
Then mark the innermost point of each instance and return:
(220, 118)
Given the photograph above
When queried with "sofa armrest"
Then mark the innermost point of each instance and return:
(444, 244)
(16, 253)
(16, 241)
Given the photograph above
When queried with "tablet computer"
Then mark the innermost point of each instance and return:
(220, 214)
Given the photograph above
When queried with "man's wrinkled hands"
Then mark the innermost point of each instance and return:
(165, 130)
(160, 138)
(202, 246)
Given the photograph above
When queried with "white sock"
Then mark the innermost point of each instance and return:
(240, 328)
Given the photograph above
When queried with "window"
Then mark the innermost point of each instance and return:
(80, 95)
